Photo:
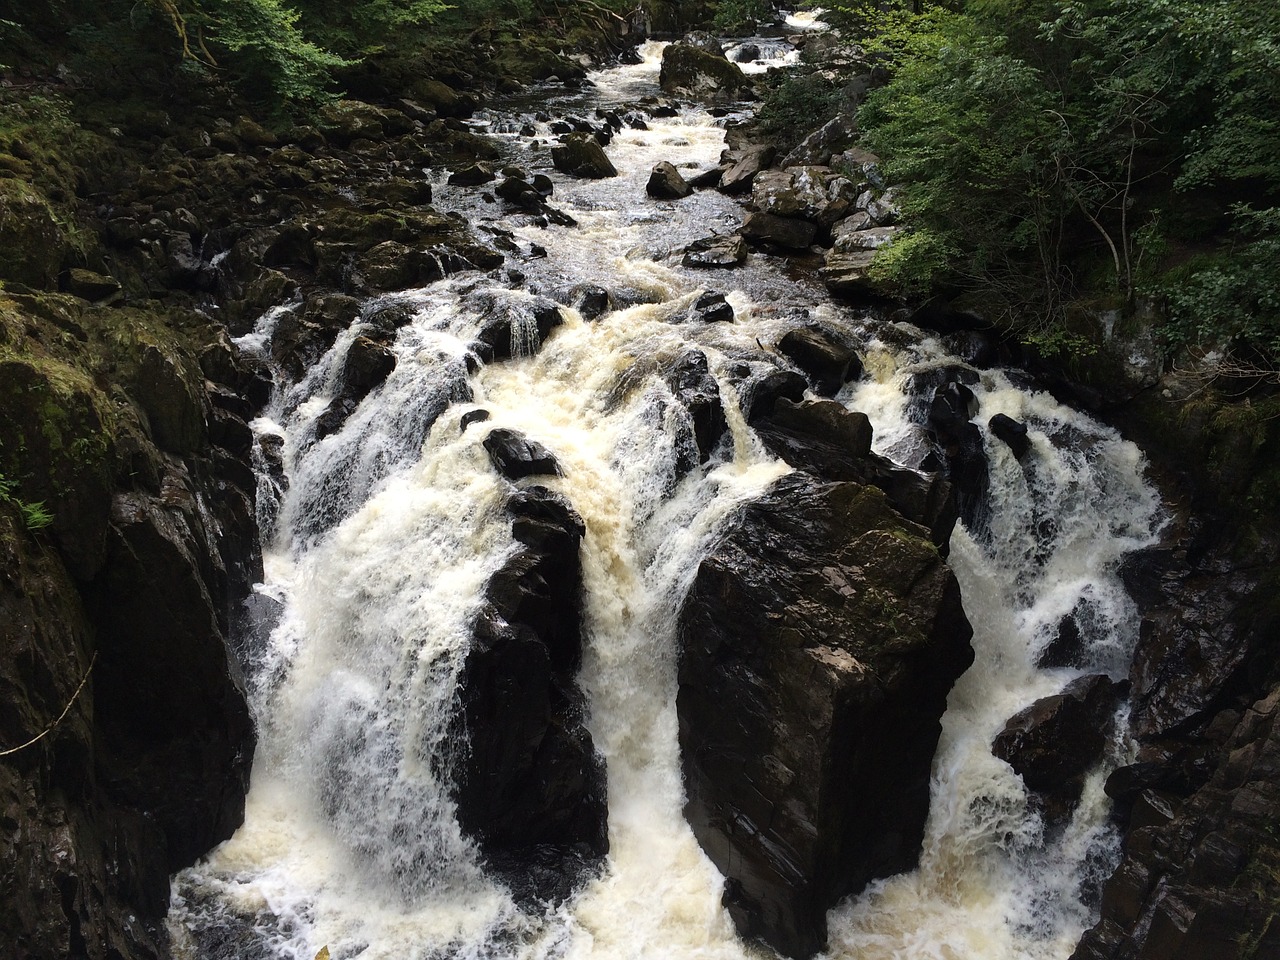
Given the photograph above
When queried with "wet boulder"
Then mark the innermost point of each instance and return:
(950, 409)
(692, 384)
(806, 192)
(716, 252)
(828, 363)
(531, 788)
(515, 326)
(1013, 433)
(515, 456)
(834, 444)
(849, 274)
(693, 72)
(742, 166)
(666, 183)
(819, 640)
(472, 175)
(712, 307)
(1054, 742)
(580, 155)
(789, 233)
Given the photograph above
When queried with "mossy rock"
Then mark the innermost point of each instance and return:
(32, 243)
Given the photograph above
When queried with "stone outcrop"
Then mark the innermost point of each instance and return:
(693, 72)
(125, 723)
(531, 788)
(819, 640)
(666, 183)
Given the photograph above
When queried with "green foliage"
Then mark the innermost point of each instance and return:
(737, 17)
(34, 515)
(1231, 302)
(798, 103)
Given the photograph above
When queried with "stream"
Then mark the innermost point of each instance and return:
(381, 536)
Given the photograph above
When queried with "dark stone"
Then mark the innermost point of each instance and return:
(516, 326)
(716, 252)
(712, 308)
(472, 176)
(819, 641)
(834, 444)
(515, 456)
(693, 385)
(472, 416)
(1013, 433)
(743, 166)
(1054, 742)
(693, 72)
(666, 183)
(366, 365)
(787, 232)
(951, 407)
(591, 301)
(759, 395)
(747, 53)
(828, 363)
(531, 788)
(582, 156)
(1066, 647)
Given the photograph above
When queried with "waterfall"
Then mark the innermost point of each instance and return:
(384, 531)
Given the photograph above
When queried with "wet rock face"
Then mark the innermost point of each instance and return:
(828, 362)
(1054, 742)
(1201, 875)
(819, 641)
(531, 789)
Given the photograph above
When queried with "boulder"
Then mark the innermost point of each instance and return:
(693, 72)
(580, 155)
(824, 144)
(531, 789)
(515, 456)
(805, 192)
(828, 362)
(1013, 433)
(834, 444)
(819, 640)
(786, 232)
(849, 274)
(515, 326)
(711, 253)
(666, 183)
(712, 307)
(862, 238)
(743, 166)
(1054, 742)
(692, 384)
(472, 175)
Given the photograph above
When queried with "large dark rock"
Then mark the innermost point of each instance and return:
(787, 232)
(819, 640)
(693, 72)
(741, 167)
(531, 788)
(515, 326)
(515, 456)
(666, 183)
(1054, 742)
(582, 156)
(716, 252)
(806, 192)
(693, 385)
(1201, 876)
(832, 443)
(828, 362)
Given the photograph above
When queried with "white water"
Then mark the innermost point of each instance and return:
(349, 840)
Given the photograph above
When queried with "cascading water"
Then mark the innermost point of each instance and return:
(386, 529)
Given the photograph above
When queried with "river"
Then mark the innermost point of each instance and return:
(380, 542)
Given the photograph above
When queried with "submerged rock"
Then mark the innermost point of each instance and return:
(819, 641)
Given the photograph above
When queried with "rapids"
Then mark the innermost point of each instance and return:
(382, 535)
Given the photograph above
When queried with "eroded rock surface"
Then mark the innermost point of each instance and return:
(819, 641)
